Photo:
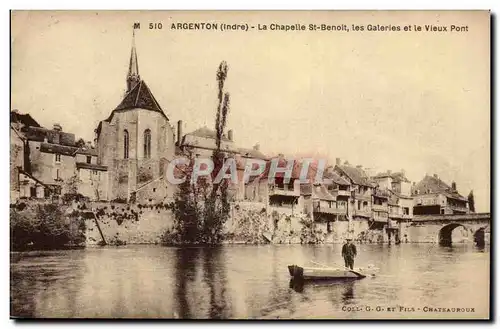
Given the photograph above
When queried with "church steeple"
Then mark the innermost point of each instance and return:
(133, 77)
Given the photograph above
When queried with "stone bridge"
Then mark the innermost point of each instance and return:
(439, 228)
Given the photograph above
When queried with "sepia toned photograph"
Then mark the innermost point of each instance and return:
(250, 165)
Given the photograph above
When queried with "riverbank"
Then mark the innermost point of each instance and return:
(45, 225)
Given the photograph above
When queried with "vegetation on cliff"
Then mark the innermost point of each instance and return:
(44, 226)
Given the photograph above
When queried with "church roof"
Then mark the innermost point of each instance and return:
(139, 97)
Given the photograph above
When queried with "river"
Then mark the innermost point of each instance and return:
(249, 282)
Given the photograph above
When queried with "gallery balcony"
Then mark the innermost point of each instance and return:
(363, 213)
(285, 190)
(380, 208)
(328, 210)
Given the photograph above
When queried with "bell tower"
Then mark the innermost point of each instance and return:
(133, 77)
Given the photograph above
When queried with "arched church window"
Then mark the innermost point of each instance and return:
(147, 143)
(125, 144)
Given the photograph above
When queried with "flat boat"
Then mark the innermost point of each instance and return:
(325, 273)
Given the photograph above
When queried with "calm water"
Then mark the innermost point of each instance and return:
(246, 282)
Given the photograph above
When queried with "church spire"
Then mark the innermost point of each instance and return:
(133, 77)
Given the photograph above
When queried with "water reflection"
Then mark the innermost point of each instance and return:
(185, 266)
(43, 280)
(348, 293)
(241, 281)
(215, 278)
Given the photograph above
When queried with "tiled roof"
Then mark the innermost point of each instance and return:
(25, 119)
(296, 170)
(39, 134)
(87, 151)
(432, 184)
(27, 174)
(205, 132)
(335, 178)
(252, 153)
(396, 176)
(357, 175)
(91, 166)
(321, 192)
(59, 149)
(139, 97)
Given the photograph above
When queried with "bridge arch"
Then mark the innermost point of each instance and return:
(479, 236)
(445, 233)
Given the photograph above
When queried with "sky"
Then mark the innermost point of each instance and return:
(418, 101)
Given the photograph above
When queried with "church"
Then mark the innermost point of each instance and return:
(127, 160)
(136, 142)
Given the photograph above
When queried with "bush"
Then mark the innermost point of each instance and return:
(44, 227)
(68, 197)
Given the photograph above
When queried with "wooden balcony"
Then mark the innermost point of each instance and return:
(380, 208)
(328, 210)
(367, 196)
(343, 193)
(363, 213)
(289, 191)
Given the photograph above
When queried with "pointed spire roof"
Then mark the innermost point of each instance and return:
(138, 95)
(133, 68)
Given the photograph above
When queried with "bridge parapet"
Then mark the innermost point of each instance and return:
(455, 218)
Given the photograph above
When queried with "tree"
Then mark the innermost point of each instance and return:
(217, 204)
(472, 206)
(80, 142)
(71, 184)
(201, 208)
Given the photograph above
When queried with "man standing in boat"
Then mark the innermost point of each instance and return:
(349, 253)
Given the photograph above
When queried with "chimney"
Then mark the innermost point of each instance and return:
(179, 132)
(453, 186)
(337, 161)
(389, 172)
(359, 166)
(89, 145)
(403, 172)
(57, 127)
(256, 147)
(435, 176)
(230, 135)
(413, 183)
(346, 163)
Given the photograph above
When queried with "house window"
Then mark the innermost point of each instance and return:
(147, 144)
(58, 157)
(89, 159)
(57, 174)
(125, 144)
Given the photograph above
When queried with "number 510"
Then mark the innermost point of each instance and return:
(155, 26)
